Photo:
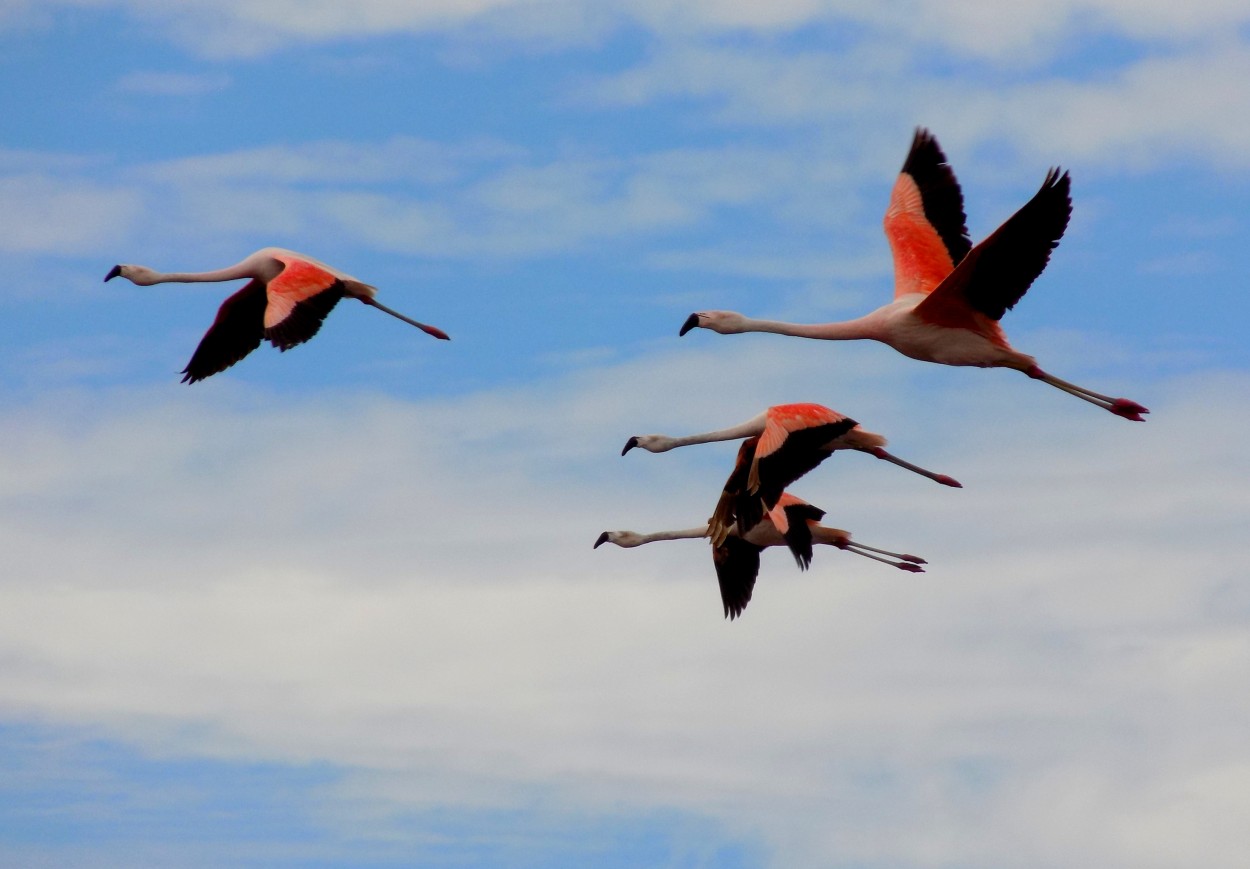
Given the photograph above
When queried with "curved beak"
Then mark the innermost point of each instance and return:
(629, 445)
(603, 538)
(113, 272)
(691, 322)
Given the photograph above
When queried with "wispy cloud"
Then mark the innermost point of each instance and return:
(1146, 117)
(409, 590)
(1032, 29)
(40, 214)
(1142, 115)
(411, 196)
(392, 577)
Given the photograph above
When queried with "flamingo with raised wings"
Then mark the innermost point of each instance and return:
(285, 301)
(737, 556)
(949, 295)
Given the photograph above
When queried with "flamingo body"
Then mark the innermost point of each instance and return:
(948, 294)
(286, 300)
(946, 335)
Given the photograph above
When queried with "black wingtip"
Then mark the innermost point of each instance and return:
(691, 322)
(603, 538)
(113, 272)
(630, 444)
(802, 559)
(924, 150)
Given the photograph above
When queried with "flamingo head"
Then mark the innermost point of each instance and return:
(653, 443)
(626, 539)
(140, 275)
(724, 322)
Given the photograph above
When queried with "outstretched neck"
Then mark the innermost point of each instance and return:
(844, 331)
(260, 266)
(684, 534)
(230, 274)
(750, 428)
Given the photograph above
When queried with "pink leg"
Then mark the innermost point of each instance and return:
(1119, 406)
(890, 457)
(910, 563)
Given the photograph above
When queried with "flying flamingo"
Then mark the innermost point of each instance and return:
(949, 295)
(287, 298)
(737, 556)
(792, 440)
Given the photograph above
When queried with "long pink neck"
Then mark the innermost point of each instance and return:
(844, 331)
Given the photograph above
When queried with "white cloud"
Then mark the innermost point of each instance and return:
(1033, 32)
(1146, 117)
(758, 85)
(397, 159)
(410, 590)
(43, 214)
(411, 196)
(1024, 32)
(1142, 116)
(971, 27)
(236, 28)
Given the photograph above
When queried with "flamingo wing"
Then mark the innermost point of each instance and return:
(794, 442)
(925, 222)
(736, 505)
(798, 534)
(737, 565)
(299, 300)
(236, 332)
(998, 272)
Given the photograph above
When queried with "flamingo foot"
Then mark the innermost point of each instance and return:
(1128, 409)
(910, 568)
(948, 481)
(914, 559)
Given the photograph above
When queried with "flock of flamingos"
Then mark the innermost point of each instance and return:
(949, 296)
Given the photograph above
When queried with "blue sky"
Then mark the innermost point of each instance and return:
(339, 606)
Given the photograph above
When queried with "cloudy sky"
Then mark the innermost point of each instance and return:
(339, 606)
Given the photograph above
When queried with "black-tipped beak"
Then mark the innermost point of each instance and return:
(113, 272)
(603, 538)
(691, 322)
(629, 445)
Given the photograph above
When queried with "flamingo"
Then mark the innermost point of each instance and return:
(737, 556)
(949, 295)
(287, 298)
(792, 440)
